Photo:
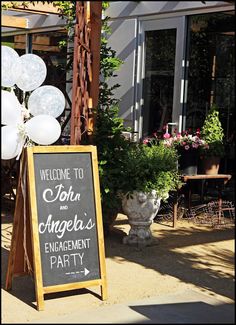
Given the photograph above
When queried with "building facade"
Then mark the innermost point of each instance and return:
(179, 58)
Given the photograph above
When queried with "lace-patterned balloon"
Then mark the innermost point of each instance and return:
(9, 66)
(33, 72)
(46, 100)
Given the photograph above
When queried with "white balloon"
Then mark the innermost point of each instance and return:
(10, 109)
(33, 72)
(46, 100)
(9, 66)
(43, 129)
(11, 142)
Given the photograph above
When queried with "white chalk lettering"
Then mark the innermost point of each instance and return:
(50, 196)
(67, 245)
(79, 173)
(59, 227)
(66, 260)
(53, 260)
(80, 255)
(54, 174)
(64, 207)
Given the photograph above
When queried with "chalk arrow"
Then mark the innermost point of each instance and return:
(86, 271)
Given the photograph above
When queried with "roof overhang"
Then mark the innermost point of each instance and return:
(36, 17)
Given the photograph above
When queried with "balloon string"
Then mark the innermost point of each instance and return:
(23, 190)
(25, 140)
(25, 143)
(20, 150)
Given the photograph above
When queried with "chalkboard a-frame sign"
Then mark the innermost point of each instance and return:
(66, 219)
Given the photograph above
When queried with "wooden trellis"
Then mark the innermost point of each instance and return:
(85, 69)
(86, 63)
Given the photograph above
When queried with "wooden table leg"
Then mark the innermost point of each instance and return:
(203, 186)
(219, 201)
(189, 195)
(175, 209)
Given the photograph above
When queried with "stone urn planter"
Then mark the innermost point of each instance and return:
(140, 208)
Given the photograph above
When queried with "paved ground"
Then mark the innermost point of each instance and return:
(183, 307)
(186, 277)
(187, 307)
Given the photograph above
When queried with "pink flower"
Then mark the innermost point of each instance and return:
(166, 136)
(184, 139)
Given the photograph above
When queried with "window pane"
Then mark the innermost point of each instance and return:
(159, 79)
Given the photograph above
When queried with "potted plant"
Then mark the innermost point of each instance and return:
(188, 144)
(149, 173)
(213, 134)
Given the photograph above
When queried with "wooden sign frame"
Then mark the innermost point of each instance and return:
(32, 212)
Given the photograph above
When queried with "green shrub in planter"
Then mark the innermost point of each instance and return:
(213, 134)
(148, 168)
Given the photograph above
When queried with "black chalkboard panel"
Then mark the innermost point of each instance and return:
(66, 217)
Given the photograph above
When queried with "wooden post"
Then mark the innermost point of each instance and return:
(96, 23)
(86, 69)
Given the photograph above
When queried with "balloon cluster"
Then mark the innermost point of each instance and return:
(38, 123)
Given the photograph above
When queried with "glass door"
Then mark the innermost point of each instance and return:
(162, 75)
(211, 76)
